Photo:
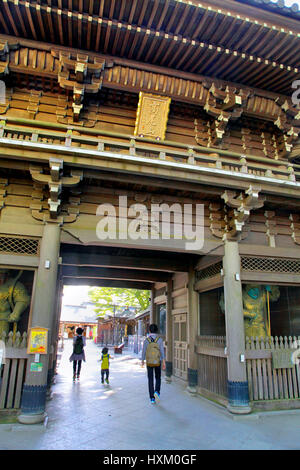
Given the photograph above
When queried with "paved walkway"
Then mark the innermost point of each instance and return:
(89, 415)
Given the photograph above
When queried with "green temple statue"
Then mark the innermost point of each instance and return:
(13, 300)
(256, 308)
(256, 303)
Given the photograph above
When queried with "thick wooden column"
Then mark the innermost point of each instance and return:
(193, 316)
(169, 333)
(152, 308)
(44, 303)
(55, 335)
(238, 395)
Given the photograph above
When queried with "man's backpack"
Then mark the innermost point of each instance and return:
(78, 346)
(153, 352)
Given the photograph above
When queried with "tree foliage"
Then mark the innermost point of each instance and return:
(112, 299)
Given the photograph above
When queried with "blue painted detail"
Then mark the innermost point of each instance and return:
(238, 393)
(169, 368)
(33, 399)
(192, 377)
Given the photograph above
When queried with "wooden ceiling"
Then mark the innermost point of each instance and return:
(207, 39)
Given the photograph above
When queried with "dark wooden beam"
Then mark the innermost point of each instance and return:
(110, 261)
(114, 273)
(69, 281)
(153, 181)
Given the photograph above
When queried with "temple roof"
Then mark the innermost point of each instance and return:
(227, 40)
(278, 7)
(84, 313)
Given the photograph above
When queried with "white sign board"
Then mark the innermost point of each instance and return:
(2, 353)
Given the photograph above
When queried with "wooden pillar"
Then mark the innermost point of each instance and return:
(35, 387)
(55, 333)
(152, 307)
(169, 333)
(238, 395)
(193, 316)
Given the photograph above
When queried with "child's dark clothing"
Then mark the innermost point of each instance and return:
(104, 372)
(76, 365)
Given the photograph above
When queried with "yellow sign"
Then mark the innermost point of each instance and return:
(152, 116)
(38, 341)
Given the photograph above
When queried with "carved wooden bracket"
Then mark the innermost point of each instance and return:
(4, 57)
(72, 208)
(3, 184)
(5, 94)
(55, 181)
(295, 227)
(77, 74)
(217, 220)
(34, 101)
(271, 227)
(242, 204)
(228, 222)
(224, 104)
(288, 121)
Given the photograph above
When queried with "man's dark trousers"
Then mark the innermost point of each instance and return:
(151, 372)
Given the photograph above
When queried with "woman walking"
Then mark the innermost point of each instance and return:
(78, 354)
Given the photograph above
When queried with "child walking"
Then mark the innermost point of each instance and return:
(105, 365)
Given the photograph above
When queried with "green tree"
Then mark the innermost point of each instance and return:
(110, 299)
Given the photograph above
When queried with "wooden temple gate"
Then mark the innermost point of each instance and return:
(122, 109)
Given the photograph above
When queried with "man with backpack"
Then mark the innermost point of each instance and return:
(153, 353)
(78, 354)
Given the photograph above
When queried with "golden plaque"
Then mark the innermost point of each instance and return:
(152, 116)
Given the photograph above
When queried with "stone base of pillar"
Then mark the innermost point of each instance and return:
(191, 390)
(25, 418)
(238, 398)
(49, 395)
(239, 410)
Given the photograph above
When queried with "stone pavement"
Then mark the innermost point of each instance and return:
(91, 416)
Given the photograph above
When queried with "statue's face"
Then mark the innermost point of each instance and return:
(253, 292)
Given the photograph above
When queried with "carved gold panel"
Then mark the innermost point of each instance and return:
(152, 116)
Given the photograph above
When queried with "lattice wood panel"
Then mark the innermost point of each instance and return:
(280, 265)
(210, 271)
(19, 245)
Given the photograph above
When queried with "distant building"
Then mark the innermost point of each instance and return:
(83, 315)
(115, 328)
